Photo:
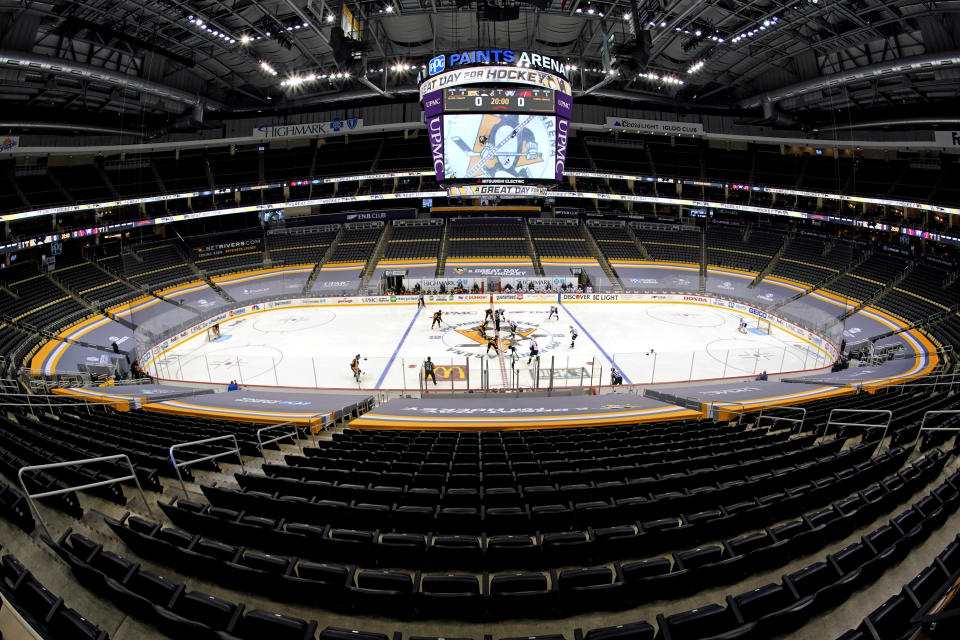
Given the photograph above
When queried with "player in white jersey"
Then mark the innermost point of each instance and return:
(534, 350)
(553, 313)
(573, 336)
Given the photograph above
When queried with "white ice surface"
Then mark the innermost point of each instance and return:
(313, 347)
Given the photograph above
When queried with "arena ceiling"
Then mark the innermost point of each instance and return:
(164, 65)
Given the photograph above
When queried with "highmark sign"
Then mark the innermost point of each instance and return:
(335, 127)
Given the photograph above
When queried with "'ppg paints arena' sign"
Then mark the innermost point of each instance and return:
(505, 57)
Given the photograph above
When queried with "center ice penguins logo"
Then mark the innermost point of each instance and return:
(474, 335)
(464, 339)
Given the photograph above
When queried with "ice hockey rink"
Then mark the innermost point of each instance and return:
(647, 342)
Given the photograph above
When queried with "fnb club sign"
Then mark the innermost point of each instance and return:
(527, 59)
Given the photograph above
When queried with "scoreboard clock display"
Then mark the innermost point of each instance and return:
(487, 100)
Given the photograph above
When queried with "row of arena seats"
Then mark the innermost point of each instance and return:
(44, 611)
(38, 300)
(187, 169)
(300, 246)
(559, 240)
(869, 277)
(508, 594)
(745, 531)
(763, 612)
(893, 620)
(414, 242)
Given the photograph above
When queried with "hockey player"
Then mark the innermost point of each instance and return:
(553, 313)
(615, 377)
(482, 329)
(420, 302)
(493, 343)
(437, 317)
(743, 326)
(488, 314)
(573, 336)
(355, 367)
(513, 355)
(496, 323)
(428, 372)
(534, 350)
(513, 331)
(216, 330)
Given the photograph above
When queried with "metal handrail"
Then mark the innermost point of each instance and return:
(714, 409)
(292, 425)
(931, 413)
(92, 485)
(775, 419)
(214, 456)
(865, 425)
(324, 418)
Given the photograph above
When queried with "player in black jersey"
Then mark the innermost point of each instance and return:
(437, 317)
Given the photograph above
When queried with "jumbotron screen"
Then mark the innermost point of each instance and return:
(497, 122)
(499, 145)
(487, 99)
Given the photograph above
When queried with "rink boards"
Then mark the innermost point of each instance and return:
(476, 413)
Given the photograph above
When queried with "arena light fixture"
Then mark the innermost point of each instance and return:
(330, 17)
(768, 23)
(664, 78)
(212, 31)
(696, 66)
(267, 68)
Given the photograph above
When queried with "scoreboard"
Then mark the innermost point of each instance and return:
(494, 122)
(493, 100)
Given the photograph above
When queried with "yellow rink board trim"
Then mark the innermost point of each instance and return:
(925, 364)
(566, 261)
(181, 289)
(654, 265)
(367, 421)
(57, 346)
(792, 398)
(247, 276)
(834, 299)
(386, 264)
(120, 403)
(181, 408)
(735, 273)
(784, 282)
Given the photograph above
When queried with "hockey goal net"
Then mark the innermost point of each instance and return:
(763, 325)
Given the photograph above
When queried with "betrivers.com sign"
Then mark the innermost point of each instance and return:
(654, 126)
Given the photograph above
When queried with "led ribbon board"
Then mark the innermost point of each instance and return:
(495, 75)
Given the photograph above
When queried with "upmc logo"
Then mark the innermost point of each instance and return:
(437, 64)
(435, 131)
